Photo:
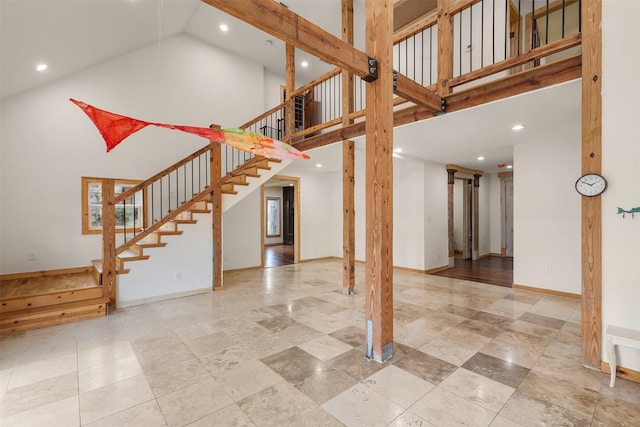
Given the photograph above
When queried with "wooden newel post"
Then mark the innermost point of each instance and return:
(109, 283)
(215, 158)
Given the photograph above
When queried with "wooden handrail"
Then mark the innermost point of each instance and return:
(174, 213)
(133, 190)
(532, 55)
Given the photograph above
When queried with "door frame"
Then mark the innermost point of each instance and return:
(296, 226)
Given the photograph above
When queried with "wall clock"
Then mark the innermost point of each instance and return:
(591, 185)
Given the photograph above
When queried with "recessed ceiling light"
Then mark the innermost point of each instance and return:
(41, 67)
(224, 27)
(318, 165)
(304, 64)
(509, 166)
(397, 150)
(291, 184)
(480, 158)
(268, 42)
(517, 127)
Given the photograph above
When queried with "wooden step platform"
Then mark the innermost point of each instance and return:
(39, 299)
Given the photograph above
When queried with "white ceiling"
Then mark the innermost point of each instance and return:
(70, 35)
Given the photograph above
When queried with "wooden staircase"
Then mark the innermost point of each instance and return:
(30, 301)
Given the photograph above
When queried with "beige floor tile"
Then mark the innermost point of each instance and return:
(32, 372)
(175, 377)
(146, 414)
(231, 416)
(33, 395)
(108, 373)
(194, 402)
(398, 386)
(409, 419)
(113, 398)
(210, 343)
(528, 411)
(500, 421)
(448, 351)
(325, 347)
(281, 405)
(247, 378)
(63, 413)
(477, 389)
(442, 408)
(361, 406)
(101, 354)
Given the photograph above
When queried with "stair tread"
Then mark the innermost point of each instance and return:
(53, 308)
(51, 292)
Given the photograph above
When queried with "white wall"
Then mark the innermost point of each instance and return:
(170, 271)
(241, 234)
(48, 143)
(547, 214)
(436, 196)
(621, 168)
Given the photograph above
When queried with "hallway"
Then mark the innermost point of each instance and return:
(278, 255)
(492, 270)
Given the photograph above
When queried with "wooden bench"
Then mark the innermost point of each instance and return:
(614, 336)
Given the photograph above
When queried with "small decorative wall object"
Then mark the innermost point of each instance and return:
(632, 211)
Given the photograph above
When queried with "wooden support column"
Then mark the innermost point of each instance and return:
(215, 158)
(109, 278)
(290, 113)
(475, 254)
(592, 163)
(348, 218)
(450, 188)
(445, 48)
(348, 165)
(379, 173)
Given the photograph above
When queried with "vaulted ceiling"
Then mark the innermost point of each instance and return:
(71, 35)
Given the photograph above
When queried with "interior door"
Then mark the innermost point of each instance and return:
(288, 215)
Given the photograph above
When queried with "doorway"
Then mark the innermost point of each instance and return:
(463, 218)
(280, 219)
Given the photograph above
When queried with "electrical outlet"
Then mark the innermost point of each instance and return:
(178, 276)
(547, 270)
(31, 256)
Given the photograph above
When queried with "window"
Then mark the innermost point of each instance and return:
(129, 214)
(273, 216)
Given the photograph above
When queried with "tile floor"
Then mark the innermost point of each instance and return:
(284, 347)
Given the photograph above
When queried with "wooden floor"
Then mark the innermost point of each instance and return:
(275, 256)
(492, 270)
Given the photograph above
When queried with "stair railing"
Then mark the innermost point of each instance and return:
(129, 217)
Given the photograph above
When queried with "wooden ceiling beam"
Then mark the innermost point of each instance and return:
(278, 21)
(412, 91)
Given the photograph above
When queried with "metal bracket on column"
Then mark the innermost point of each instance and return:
(395, 79)
(443, 108)
(373, 71)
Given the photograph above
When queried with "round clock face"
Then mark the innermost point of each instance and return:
(591, 185)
